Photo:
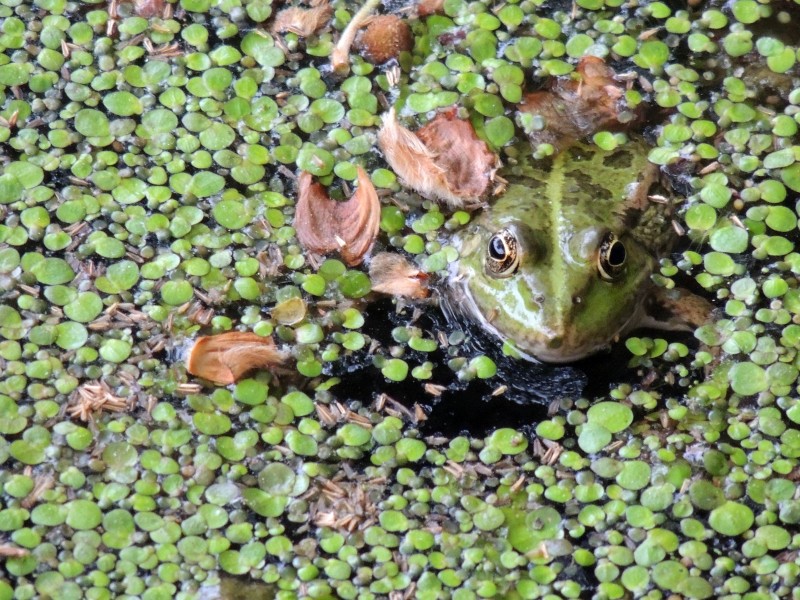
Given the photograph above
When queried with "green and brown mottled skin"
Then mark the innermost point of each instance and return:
(556, 306)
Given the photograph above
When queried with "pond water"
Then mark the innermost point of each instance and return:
(149, 156)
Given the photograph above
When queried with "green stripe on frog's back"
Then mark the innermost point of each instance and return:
(554, 193)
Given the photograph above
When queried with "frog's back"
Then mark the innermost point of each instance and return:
(584, 186)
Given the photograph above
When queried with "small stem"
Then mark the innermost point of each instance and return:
(340, 57)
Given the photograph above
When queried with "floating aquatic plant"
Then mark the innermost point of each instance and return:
(147, 196)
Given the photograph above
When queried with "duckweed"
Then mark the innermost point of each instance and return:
(148, 198)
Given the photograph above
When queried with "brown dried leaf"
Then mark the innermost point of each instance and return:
(302, 21)
(574, 108)
(466, 159)
(226, 357)
(444, 160)
(385, 37)
(392, 274)
(324, 225)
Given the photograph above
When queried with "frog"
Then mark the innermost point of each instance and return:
(560, 264)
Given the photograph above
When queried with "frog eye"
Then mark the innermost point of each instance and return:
(502, 257)
(611, 257)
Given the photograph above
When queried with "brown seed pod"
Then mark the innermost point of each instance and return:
(385, 37)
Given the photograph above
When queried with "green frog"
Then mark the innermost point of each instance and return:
(560, 263)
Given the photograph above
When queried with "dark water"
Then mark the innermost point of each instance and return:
(473, 407)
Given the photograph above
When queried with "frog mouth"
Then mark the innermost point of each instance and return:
(458, 305)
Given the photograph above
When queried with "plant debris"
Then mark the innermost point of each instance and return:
(393, 274)
(304, 22)
(324, 225)
(226, 357)
(444, 160)
(573, 107)
(340, 57)
(94, 397)
(149, 8)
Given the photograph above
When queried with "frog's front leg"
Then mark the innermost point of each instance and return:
(676, 309)
(638, 196)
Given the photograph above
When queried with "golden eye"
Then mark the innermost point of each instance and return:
(502, 257)
(611, 257)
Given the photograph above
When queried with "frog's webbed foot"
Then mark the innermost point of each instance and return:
(677, 309)
(680, 310)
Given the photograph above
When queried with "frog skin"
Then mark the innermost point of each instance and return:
(559, 265)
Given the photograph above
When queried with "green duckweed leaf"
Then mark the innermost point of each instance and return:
(92, 123)
(731, 518)
(615, 417)
(747, 378)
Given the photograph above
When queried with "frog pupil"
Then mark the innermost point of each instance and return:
(497, 249)
(616, 254)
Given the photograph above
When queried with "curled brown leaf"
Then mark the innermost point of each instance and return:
(575, 107)
(444, 160)
(393, 274)
(226, 357)
(324, 225)
(466, 159)
(302, 21)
